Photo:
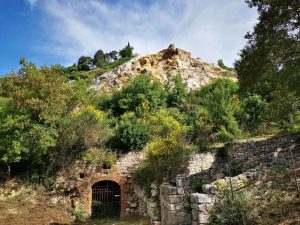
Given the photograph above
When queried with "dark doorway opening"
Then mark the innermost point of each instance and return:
(106, 200)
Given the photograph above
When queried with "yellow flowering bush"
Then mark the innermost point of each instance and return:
(166, 152)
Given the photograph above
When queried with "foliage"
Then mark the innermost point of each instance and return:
(102, 157)
(177, 92)
(234, 211)
(79, 213)
(197, 184)
(222, 65)
(80, 133)
(135, 92)
(99, 58)
(126, 52)
(144, 177)
(37, 99)
(219, 104)
(131, 133)
(295, 127)
(166, 152)
(253, 112)
(46, 123)
(269, 64)
(84, 63)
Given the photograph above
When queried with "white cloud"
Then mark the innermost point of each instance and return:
(32, 3)
(208, 29)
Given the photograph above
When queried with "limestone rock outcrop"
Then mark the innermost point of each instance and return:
(162, 66)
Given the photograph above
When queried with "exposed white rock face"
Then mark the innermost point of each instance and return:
(163, 65)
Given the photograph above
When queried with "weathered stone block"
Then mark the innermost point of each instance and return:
(182, 181)
(180, 190)
(200, 198)
(203, 219)
(179, 207)
(184, 218)
(195, 214)
(171, 207)
(168, 189)
(171, 218)
(195, 206)
(174, 199)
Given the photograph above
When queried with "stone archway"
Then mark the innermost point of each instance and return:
(106, 199)
(112, 179)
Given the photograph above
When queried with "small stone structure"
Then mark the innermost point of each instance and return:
(201, 206)
(77, 181)
(175, 203)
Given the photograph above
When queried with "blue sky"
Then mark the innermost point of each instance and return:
(60, 31)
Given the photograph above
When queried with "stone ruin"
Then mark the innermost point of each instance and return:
(177, 203)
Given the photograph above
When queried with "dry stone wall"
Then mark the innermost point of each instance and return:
(212, 171)
(174, 202)
(178, 202)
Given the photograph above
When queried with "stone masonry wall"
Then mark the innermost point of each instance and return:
(181, 205)
(77, 182)
(175, 203)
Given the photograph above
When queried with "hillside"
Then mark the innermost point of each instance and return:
(163, 65)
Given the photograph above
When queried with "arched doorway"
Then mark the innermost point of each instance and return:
(106, 197)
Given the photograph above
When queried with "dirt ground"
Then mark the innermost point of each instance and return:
(30, 206)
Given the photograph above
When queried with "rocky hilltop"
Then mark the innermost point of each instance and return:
(162, 66)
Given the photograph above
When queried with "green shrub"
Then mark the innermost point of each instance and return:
(131, 133)
(236, 211)
(102, 157)
(137, 91)
(177, 92)
(197, 184)
(215, 108)
(253, 112)
(167, 152)
(79, 214)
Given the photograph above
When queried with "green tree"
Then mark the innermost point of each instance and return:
(220, 103)
(99, 58)
(222, 65)
(253, 113)
(84, 63)
(127, 51)
(270, 64)
(167, 151)
(38, 99)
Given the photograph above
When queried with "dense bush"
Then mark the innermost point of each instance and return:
(236, 211)
(167, 151)
(177, 92)
(253, 113)
(46, 123)
(135, 92)
(131, 133)
(215, 108)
